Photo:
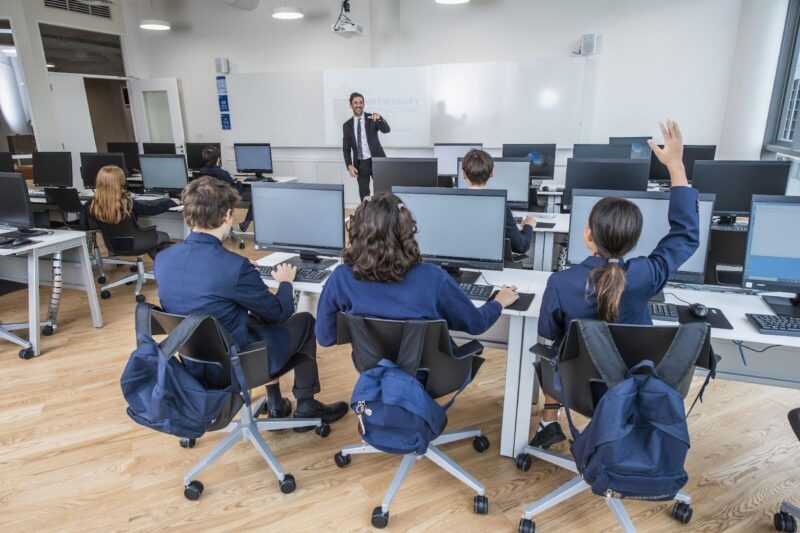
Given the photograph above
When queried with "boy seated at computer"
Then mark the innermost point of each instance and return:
(212, 158)
(477, 167)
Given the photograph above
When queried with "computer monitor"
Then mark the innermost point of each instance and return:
(691, 154)
(194, 154)
(735, 182)
(601, 151)
(253, 157)
(439, 211)
(131, 152)
(541, 156)
(281, 211)
(609, 174)
(511, 175)
(772, 257)
(639, 147)
(389, 172)
(6, 162)
(158, 148)
(655, 226)
(52, 169)
(164, 173)
(448, 155)
(15, 205)
(91, 164)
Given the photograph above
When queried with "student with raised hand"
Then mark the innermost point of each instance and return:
(212, 159)
(383, 276)
(200, 276)
(606, 286)
(477, 167)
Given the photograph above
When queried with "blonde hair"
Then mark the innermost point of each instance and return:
(111, 202)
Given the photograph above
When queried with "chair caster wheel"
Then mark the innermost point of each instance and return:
(193, 490)
(342, 460)
(323, 431)
(481, 505)
(379, 519)
(47, 331)
(524, 461)
(682, 512)
(241, 246)
(105, 295)
(187, 443)
(480, 443)
(101, 279)
(140, 298)
(783, 521)
(288, 484)
(527, 526)
(134, 269)
(26, 353)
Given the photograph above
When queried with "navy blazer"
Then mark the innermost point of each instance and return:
(372, 127)
(520, 239)
(221, 174)
(568, 297)
(199, 275)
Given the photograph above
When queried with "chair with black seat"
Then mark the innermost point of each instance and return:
(210, 343)
(443, 369)
(510, 259)
(582, 385)
(533, 201)
(786, 518)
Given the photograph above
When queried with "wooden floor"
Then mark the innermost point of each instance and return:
(72, 460)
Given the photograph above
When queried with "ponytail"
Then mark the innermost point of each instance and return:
(609, 284)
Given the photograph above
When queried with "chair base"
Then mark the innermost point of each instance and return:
(140, 277)
(786, 518)
(381, 514)
(575, 486)
(27, 348)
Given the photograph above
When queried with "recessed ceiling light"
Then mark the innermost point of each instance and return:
(155, 25)
(451, 2)
(287, 13)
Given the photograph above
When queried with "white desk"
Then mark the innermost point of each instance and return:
(544, 237)
(553, 198)
(22, 264)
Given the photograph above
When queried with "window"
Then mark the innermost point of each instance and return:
(782, 126)
(81, 52)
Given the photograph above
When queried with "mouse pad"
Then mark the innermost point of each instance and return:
(545, 225)
(522, 304)
(715, 317)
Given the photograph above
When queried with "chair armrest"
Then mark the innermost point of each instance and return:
(543, 351)
(253, 348)
(469, 349)
(148, 228)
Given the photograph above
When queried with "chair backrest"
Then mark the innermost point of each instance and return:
(582, 384)
(508, 256)
(442, 372)
(126, 237)
(66, 200)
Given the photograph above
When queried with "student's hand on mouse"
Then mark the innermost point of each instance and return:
(352, 170)
(507, 296)
(284, 272)
(529, 221)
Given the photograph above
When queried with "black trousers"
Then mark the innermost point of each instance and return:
(364, 167)
(303, 358)
(246, 195)
(163, 243)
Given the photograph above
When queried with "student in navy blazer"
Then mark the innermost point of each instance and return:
(212, 158)
(605, 285)
(383, 276)
(200, 276)
(477, 167)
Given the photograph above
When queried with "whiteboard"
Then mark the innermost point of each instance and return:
(492, 103)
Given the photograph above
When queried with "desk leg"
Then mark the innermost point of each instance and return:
(88, 282)
(547, 251)
(551, 203)
(528, 385)
(33, 302)
(510, 397)
(539, 243)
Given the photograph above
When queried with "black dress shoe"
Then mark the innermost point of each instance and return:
(327, 413)
(282, 411)
(243, 226)
(548, 435)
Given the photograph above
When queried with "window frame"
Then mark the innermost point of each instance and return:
(782, 91)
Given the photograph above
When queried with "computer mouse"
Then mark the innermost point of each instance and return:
(698, 310)
(20, 242)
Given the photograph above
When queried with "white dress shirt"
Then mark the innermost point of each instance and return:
(364, 145)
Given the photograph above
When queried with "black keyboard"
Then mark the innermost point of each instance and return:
(11, 235)
(308, 275)
(662, 311)
(786, 325)
(477, 292)
(252, 179)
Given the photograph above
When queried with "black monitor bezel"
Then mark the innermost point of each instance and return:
(377, 179)
(458, 262)
(145, 146)
(9, 159)
(549, 148)
(25, 202)
(600, 146)
(132, 149)
(513, 204)
(756, 163)
(566, 197)
(254, 170)
(630, 140)
(681, 276)
(760, 285)
(202, 147)
(65, 184)
(655, 164)
(165, 156)
(89, 182)
(475, 146)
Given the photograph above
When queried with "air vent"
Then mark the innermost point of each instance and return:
(78, 7)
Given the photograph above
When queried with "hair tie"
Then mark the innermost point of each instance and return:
(367, 199)
(613, 260)
(401, 206)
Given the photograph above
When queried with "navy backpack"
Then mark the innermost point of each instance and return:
(636, 443)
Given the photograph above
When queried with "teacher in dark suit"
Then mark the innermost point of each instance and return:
(360, 142)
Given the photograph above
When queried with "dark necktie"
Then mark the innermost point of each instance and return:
(360, 152)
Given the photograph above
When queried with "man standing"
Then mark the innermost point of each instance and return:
(360, 142)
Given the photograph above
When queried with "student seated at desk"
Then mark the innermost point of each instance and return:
(383, 276)
(477, 167)
(200, 276)
(212, 158)
(607, 287)
(112, 203)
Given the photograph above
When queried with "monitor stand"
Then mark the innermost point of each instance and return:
(784, 306)
(261, 177)
(462, 276)
(314, 262)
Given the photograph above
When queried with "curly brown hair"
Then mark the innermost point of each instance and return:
(382, 243)
(206, 202)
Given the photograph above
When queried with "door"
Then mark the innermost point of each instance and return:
(156, 109)
(74, 121)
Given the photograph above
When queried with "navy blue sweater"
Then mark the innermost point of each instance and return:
(520, 239)
(567, 297)
(427, 293)
(219, 173)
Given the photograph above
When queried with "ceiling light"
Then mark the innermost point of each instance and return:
(155, 25)
(287, 13)
(451, 2)
(50, 65)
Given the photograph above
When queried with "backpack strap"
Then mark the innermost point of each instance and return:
(603, 351)
(238, 373)
(143, 320)
(682, 353)
(362, 344)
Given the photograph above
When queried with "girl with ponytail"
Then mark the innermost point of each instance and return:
(606, 285)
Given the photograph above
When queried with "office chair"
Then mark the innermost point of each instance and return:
(583, 386)
(445, 370)
(533, 201)
(510, 259)
(211, 343)
(786, 518)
